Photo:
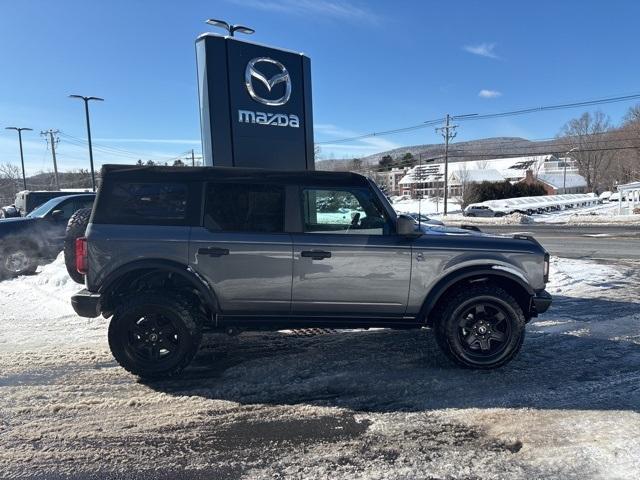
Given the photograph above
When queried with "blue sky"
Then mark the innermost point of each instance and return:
(376, 65)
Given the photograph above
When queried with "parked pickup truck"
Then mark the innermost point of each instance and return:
(171, 252)
(26, 241)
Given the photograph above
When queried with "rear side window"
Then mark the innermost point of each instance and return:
(144, 203)
(244, 208)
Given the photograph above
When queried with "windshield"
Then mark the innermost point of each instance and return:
(43, 209)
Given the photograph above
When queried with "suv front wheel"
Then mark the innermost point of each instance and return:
(154, 335)
(480, 326)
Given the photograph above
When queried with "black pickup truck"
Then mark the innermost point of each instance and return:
(25, 241)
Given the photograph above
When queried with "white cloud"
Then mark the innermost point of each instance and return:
(489, 93)
(483, 49)
(328, 8)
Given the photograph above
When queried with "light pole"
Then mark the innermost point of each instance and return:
(20, 130)
(564, 175)
(86, 111)
(231, 29)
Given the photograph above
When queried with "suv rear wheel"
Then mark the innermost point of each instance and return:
(480, 326)
(154, 335)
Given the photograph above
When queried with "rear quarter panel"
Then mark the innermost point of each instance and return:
(113, 246)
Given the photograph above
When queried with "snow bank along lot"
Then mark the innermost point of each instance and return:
(378, 404)
(605, 214)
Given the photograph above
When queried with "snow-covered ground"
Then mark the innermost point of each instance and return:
(431, 206)
(605, 214)
(377, 405)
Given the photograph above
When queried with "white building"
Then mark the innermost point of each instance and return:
(629, 196)
(428, 180)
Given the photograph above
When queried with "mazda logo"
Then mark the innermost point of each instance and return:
(282, 77)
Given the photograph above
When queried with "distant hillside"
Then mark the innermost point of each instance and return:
(474, 150)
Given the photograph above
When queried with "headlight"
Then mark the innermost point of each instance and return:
(545, 268)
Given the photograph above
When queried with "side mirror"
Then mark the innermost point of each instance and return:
(57, 214)
(406, 226)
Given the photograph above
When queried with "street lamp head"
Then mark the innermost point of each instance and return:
(86, 99)
(243, 29)
(19, 129)
(219, 23)
(231, 29)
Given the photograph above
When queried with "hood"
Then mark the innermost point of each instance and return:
(14, 224)
(462, 238)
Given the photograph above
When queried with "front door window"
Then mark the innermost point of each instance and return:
(343, 212)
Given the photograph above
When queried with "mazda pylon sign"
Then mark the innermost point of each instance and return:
(255, 105)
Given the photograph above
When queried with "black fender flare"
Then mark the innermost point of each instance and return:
(184, 271)
(441, 287)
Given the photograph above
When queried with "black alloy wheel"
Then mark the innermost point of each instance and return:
(155, 335)
(484, 331)
(479, 326)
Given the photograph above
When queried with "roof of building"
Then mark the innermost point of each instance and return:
(629, 186)
(479, 175)
(556, 180)
(495, 169)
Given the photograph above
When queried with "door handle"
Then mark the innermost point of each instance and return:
(213, 251)
(315, 254)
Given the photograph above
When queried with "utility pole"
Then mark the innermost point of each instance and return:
(193, 158)
(20, 130)
(53, 142)
(449, 133)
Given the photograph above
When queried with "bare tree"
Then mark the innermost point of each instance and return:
(588, 134)
(482, 164)
(356, 164)
(10, 183)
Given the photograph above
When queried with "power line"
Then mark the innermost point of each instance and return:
(426, 124)
(110, 149)
(412, 162)
(525, 111)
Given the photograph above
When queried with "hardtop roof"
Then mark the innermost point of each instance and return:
(231, 174)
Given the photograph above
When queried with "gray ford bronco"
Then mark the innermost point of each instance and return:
(172, 252)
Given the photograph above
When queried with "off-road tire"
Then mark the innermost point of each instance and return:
(185, 318)
(447, 329)
(76, 228)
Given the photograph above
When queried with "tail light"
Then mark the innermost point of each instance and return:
(81, 255)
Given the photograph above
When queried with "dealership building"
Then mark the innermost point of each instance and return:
(547, 170)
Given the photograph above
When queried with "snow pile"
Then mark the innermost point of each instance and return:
(427, 206)
(37, 310)
(511, 219)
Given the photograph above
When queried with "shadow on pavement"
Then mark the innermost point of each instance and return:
(386, 370)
